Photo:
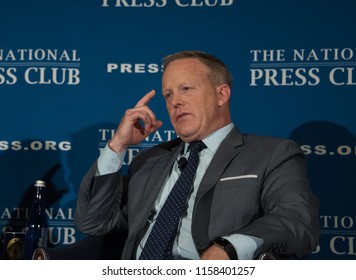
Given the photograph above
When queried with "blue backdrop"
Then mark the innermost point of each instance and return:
(69, 69)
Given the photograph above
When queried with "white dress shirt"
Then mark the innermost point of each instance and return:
(245, 245)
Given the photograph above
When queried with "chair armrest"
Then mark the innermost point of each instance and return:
(266, 256)
(104, 247)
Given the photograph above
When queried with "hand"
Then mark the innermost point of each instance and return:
(214, 252)
(130, 131)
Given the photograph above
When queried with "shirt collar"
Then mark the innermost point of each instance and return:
(213, 140)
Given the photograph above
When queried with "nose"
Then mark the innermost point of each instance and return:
(177, 100)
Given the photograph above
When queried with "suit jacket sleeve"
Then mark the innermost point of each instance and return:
(100, 203)
(289, 223)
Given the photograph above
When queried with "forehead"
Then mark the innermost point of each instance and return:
(184, 68)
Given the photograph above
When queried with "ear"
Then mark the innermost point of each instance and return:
(223, 92)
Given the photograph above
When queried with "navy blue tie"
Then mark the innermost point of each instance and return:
(160, 241)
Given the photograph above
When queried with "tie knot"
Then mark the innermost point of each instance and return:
(196, 146)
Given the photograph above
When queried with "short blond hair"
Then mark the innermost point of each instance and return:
(219, 73)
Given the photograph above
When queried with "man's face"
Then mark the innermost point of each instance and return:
(195, 104)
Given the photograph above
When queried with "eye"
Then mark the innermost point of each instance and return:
(167, 95)
(185, 89)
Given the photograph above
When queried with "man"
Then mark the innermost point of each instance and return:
(250, 194)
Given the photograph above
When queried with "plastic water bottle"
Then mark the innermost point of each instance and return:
(37, 225)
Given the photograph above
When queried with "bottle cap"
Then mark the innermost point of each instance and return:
(40, 183)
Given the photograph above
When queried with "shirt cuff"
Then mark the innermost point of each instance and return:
(245, 245)
(110, 161)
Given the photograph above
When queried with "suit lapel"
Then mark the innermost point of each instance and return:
(227, 151)
(158, 168)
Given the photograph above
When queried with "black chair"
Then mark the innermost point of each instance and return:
(105, 247)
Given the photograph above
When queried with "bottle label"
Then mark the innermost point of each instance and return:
(15, 248)
(43, 240)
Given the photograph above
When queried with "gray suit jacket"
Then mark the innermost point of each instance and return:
(254, 185)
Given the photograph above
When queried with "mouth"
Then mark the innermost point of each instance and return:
(182, 116)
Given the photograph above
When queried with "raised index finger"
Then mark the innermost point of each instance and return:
(144, 100)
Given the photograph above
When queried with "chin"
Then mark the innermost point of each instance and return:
(187, 138)
(187, 135)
